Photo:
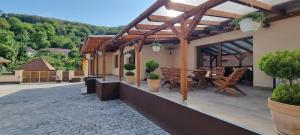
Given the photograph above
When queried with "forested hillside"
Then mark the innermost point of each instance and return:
(18, 32)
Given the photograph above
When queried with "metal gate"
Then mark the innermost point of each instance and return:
(38, 76)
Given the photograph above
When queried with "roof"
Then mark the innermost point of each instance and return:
(29, 49)
(3, 60)
(59, 50)
(205, 18)
(37, 65)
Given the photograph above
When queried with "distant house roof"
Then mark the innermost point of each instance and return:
(30, 50)
(59, 50)
(2, 60)
(37, 65)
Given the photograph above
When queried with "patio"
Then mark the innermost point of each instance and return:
(52, 109)
(249, 112)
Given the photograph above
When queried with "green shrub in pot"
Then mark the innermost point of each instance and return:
(285, 100)
(129, 74)
(153, 76)
(152, 66)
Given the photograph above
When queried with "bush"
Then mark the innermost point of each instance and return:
(153, 76)
(152, 65)
(129, 73)
(129, 67)
(288, 94)
(282, 64)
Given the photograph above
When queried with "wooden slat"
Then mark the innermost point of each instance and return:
(203, 7)
(210, 12)
(159, 18)
(104, 63)
(259, 5)
(149, 11)
(219, 57)
(152, 27)
(121, 63)
(150, 37)
(142, 32)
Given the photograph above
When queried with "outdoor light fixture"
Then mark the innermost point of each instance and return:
(99, 53)
(127, 55)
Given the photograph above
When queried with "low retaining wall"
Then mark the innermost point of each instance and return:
(173, 117)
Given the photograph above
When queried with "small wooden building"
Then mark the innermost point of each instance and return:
(38, 70)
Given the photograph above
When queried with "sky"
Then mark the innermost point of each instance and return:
(96, 12)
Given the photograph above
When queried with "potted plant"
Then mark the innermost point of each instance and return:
(285, 101)
(156, 47)
(153, 78)
(129, 74)
(249, 22)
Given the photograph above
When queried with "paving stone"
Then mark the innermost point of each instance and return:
(63, 110)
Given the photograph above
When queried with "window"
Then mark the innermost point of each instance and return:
(132, 57)
(116, 61)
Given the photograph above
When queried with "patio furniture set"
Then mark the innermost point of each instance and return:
(203, 76)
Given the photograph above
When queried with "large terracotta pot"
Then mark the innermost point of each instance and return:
(153, 85)
(130, 79)
(286, 117)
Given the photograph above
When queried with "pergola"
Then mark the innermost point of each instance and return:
(186, 20)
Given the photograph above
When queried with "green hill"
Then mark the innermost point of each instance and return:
(19, 31)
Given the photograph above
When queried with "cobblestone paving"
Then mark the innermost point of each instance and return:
(62, 110)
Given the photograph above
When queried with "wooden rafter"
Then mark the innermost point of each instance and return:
(260, 5)
(242, 47)
(230, 48)
(152, 27)
(210, 12)
(150, 37)
(159, 18)
(149, 11)
(142, 32)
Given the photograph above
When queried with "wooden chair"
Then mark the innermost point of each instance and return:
(199, 77)
(217, 72)
(225, 84)
(165, 71)
(175, 77)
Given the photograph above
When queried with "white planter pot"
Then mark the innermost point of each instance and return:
(248, 25)
(155, 48)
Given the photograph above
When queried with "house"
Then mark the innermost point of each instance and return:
(197, 35)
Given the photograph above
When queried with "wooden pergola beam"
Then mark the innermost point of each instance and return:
(210, 12)
(242, 47)
(203, 7)
(232, 49)
(150, 36)
(260, 5)
(142, 32)
(152, 27)
(148, 12)
(159, 18)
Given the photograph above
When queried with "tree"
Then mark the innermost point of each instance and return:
(4, 24)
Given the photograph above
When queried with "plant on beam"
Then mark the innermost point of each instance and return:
(153, 79)
(249, 22)
(285, 101)
(129, 74)
(156, 45)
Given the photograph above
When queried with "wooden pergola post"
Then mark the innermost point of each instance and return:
(183, 60)
(97, 63)
(219, 57)
(103, 64)
(138, 49)
(121, 63)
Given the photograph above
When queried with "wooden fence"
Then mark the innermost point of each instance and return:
(38, 76)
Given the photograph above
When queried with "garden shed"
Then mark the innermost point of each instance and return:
(38, 70)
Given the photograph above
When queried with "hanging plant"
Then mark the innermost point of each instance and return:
(249, 22)
(156, 47)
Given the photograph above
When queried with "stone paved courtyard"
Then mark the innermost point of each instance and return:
(62, 110)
